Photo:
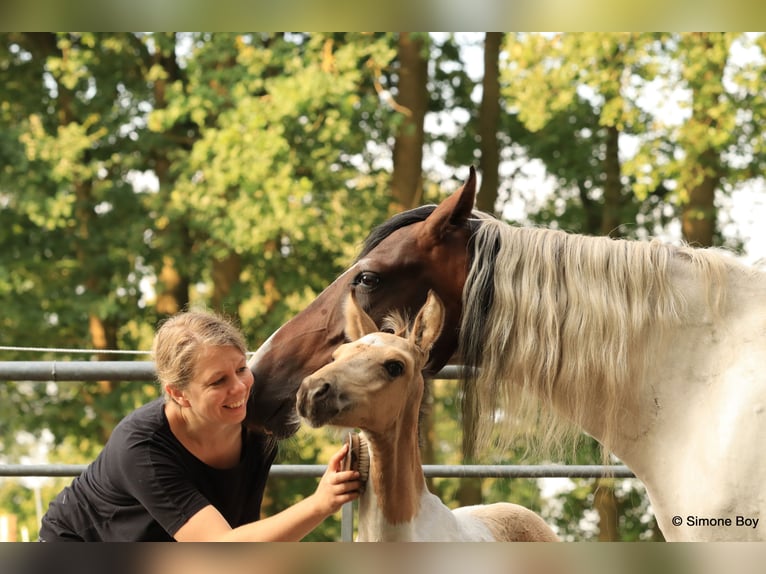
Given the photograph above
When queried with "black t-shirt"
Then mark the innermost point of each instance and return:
(145, 485)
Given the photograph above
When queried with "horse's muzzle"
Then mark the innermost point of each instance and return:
(317, 401)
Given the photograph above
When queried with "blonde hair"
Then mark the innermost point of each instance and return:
(180, 339)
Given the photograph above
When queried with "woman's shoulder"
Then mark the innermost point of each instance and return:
(145, 422)
(141, 437)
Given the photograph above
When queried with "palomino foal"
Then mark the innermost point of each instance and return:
(375, 383)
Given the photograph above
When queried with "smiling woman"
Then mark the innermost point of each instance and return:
(184, 467)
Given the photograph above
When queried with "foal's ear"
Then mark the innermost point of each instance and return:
(453, 211)
(358, 323)
(428, 324)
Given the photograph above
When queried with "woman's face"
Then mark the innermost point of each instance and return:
(219, 390)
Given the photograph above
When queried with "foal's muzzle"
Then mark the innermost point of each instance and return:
(317, 401)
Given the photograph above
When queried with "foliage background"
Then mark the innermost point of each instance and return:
(143, 173)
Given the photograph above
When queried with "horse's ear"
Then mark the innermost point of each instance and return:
(455, 210)
(428, 324)
(358, 323)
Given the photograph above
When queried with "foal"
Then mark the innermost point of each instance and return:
(375, 383)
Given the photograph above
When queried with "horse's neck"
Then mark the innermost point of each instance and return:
(396, 482)
(396, 474)
(703, 405)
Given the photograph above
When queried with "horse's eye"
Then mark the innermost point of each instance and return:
(367, 279)
(387, 330)
(394, 368)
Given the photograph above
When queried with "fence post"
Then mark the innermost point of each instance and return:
(347, 522)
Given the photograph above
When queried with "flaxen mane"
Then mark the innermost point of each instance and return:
(566, 317)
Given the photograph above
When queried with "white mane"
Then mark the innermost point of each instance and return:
(570, 321)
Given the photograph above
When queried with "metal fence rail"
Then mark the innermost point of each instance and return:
(60, 371)
(77, 370)
(105, 370)
(347, 512)
(430, 470)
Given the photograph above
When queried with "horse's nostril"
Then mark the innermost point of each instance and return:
(321, 390)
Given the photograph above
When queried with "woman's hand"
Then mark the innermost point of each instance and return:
(337, 487)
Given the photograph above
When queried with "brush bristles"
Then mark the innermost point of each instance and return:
(348, 460)
(363, 460)
(358, 456)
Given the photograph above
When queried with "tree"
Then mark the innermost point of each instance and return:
(412, 103)
(172, 140)
(713, 142)
(266, 151)
(255, 143)
(76, 221)
(571, 101)
(489, 122)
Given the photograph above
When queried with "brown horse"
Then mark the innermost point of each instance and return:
(658, 351)
(376, 383)
(416, 251)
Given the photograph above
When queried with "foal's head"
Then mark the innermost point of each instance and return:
(372, 379)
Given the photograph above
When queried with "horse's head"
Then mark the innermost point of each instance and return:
(414, 252)
(375, 378)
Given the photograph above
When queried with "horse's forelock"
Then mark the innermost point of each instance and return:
(397, 322)
(396, 222)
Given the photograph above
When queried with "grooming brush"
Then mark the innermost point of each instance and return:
(358, 457)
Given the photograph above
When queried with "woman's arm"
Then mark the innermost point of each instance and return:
(335, 489)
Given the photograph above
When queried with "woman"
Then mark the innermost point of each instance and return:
(184, 467)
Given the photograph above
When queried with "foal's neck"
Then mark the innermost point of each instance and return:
(396, 473)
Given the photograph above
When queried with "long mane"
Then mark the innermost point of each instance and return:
(557, 321)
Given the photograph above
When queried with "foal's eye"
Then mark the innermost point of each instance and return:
(367, 279)
(394, 368)
(387, 330)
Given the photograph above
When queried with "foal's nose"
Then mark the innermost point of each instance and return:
(320, 391)
(311, 396)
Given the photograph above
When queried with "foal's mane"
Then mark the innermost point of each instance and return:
(553, 319)
(397, 323)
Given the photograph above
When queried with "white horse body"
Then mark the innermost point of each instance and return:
(702, 417)
(659, 352)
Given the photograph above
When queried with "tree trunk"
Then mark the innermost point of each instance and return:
(225, 274)
(172, 283)
(172, 288)
(489, 120)
(702, 170)
(699, 213)
(469, 491)
(407, 177)
(613, 198)
(101, 328)
(605, 502)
